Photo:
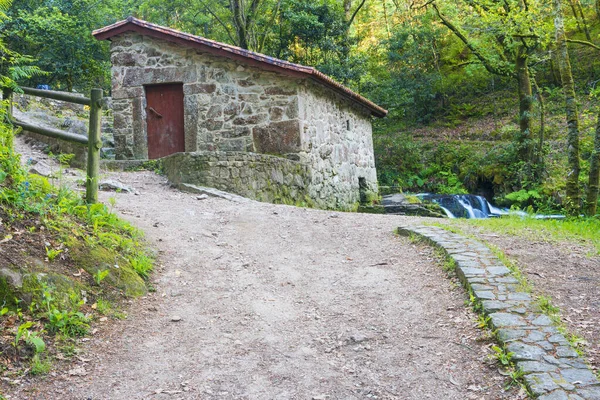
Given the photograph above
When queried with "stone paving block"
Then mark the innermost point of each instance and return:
(479, 286)
(580, 377)
(551, 359)
(558, 339)
(477, 280)
(542, 320)
(519, 296)
(536, 366)
(507, 335)
(572, 362)
(470, 264)
(540, 383)
(546, 345)
(498, 271)
(591, 393)
(536, 336)
(490, 306)
(525, 352)
(500, 320)
(566, 352)
(484, 294)
(556, 395)
(518, 310)
(507, 279)
(467, 272)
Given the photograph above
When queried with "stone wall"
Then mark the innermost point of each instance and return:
(256, 176)
(227, 106)
(338, 144)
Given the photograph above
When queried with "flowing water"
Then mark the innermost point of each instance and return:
(463, 205)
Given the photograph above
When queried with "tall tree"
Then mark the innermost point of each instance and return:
(504, 48)
(566, 76)
(594, 175)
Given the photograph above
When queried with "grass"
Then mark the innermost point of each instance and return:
(79, 242)
(577, 230)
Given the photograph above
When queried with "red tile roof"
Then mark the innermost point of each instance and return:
(233, 52)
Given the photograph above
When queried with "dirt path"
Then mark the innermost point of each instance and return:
(277, 302)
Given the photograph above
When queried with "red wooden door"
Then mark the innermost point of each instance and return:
(164, 119)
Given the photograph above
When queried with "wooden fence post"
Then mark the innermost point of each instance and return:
(94, 145)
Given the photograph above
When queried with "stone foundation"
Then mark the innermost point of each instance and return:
(256, 176)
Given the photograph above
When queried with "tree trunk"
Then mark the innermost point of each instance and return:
(575, 15)
(594, 177)
(564, 66)
(239, 23)
(540, 149)
(525, 106)
(583, 21)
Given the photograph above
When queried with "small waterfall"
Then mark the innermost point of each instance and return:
(463, 205)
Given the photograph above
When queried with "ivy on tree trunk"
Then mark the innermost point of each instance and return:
(566, 76)
(525, 106)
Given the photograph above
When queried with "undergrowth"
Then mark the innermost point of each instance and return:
(87, 250)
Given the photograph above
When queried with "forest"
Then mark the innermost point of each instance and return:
(494, 97)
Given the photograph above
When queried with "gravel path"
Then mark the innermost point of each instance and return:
(261, 301)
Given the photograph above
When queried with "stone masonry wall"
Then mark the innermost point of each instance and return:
(338, 144)
(257, 176)
(225, 102)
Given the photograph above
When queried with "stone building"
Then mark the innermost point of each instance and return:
(237, 120)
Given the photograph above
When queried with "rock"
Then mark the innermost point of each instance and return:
(410, 205)
(525, 352)
(500, 320)
(202, 197)
(540, 383)
(175, 318)
(110, 184)
(78, 371)
(41, 169)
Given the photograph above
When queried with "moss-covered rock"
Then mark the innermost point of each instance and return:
(121, 276)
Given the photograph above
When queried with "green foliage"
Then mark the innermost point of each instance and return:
(523, 198)
(503, 357)
(39, 365)
(142, 265)
(52, 253)
(58, 33)
(68, 323)
(31, 338)
(100, 275)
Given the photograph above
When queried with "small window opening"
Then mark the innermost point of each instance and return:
(348, 127)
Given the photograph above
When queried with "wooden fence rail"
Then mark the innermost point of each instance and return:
(93, 140)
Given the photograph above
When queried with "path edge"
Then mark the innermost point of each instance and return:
(551, 368)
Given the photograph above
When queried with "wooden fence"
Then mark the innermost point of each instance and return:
(93, 140)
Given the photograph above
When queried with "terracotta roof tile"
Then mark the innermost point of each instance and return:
(222, 49)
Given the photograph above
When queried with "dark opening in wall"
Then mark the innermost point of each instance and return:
(348, 127)
(362, 189)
